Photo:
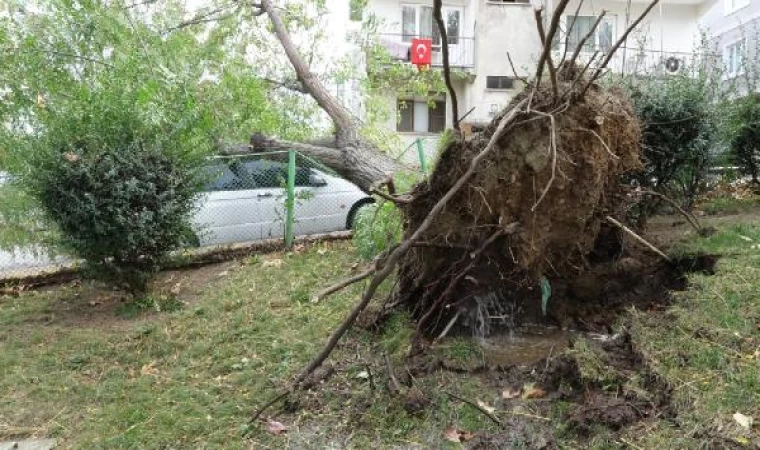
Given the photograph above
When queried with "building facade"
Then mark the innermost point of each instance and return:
(494, 43)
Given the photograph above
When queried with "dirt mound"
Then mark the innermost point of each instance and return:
(555, 173)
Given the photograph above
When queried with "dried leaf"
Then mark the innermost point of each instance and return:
(70, 157)
(149, 369)
(452, 434)
(532, 391)
(275, 427)
(486, 407)
(275, 263)
(743, 421)
(510, 393)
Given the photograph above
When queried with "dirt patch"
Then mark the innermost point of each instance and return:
(95, 305)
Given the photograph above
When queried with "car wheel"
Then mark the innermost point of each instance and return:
(354, 213)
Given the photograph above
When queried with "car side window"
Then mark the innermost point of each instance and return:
(223, 177)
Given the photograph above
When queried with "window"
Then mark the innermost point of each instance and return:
(417, 22)
(731, 6)
(500, 82)
(733, 57)
(575, 28)
(356, 10)
(421, 117)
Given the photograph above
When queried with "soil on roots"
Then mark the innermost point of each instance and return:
(555, 172)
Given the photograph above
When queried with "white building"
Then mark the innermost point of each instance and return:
(482, 33)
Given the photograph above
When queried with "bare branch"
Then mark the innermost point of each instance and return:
(549, 37)
(570, 30)
(204, 17)
(582, 42)
(291, 85)
(446, 68)
(622, 39)
(343, 284)
(546, 44)
(514, 71)
(689, 217)
(638, 238)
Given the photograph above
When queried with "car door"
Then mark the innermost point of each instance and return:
(271, 178)
(321, 206)
(228, 210)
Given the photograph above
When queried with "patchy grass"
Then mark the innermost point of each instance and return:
(191, 376)
(707, 346)
(730, 205)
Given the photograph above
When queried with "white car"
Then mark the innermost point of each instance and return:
(245, 201)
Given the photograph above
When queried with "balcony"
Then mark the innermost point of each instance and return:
(647, 62)
(461, 49)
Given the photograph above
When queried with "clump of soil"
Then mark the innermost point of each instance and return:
(579, 155)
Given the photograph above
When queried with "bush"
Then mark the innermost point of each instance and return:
(678, 120)
(744, 137)
(378, 227)
(122, 209)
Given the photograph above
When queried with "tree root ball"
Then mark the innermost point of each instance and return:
(556, 171)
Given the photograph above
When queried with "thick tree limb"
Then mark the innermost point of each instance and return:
(358, 162)
(446, 68)
(343, 121)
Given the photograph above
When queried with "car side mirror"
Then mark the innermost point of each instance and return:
(316, 180)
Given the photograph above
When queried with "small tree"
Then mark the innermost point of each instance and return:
(744, 137)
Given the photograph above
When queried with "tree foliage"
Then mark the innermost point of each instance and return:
(678, 116)
(743, 136)
(108, 117)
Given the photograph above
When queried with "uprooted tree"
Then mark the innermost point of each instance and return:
(525, 200)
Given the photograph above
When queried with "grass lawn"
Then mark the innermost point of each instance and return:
(77, 364)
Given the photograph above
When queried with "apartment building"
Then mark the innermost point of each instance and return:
(483, 36)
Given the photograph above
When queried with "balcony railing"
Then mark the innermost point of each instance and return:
(637, 61)
(461, 49)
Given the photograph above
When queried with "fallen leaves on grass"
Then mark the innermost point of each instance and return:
(452, 434)
(274, 263)
(531, 391)
(743, 421)
(510, 393)
(276, 427)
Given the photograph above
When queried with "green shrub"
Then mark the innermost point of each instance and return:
(378, 227)
(678, 122)
(744, 137)
(120, 208)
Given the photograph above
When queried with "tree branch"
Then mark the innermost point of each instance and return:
(582, 42)
(291, 85)
(446, 68)
(204, 17)
(622, 39)
(342, 119)
(546, 44)
(549, 37)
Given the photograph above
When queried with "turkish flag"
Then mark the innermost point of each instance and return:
(421, 52)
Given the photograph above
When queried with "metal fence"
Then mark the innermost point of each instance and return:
(256, 197)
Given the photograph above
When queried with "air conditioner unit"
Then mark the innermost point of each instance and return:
(673, 65)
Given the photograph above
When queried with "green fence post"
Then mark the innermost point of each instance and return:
(421, 155)
(290, 201)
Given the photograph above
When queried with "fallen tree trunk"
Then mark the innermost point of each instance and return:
(358, 162)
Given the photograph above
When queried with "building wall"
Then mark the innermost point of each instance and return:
(724, 28)
(389, 11)
(501, 29)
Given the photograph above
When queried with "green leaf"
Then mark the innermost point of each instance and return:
(546, 293)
